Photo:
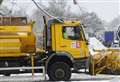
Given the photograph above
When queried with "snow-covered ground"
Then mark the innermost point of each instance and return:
(82, 77)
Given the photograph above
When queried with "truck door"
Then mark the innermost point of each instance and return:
(72, 41)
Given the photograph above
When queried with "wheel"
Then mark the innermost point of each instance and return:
(6, 74)
(59, 71)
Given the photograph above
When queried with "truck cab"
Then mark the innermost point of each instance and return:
(67, 48)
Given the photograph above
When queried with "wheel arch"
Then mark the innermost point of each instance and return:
(58, 57)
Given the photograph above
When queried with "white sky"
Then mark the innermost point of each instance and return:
(105, 9)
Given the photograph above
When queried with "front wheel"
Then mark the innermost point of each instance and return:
(59, 71)
(7, 74)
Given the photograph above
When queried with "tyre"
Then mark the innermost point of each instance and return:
(6, 74)
(59, 71)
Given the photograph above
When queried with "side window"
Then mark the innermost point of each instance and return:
(71, 33)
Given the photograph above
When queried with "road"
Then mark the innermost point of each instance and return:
(82, 77)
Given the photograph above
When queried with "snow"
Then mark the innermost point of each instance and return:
(76, 77)
(95, 44)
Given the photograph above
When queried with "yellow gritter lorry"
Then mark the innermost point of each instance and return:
(65, 47)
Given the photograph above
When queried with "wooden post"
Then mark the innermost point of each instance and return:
(32, 62)
(93, 67)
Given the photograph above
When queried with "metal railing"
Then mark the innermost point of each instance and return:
(23, 68)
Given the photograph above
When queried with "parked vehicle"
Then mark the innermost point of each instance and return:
(65, 48)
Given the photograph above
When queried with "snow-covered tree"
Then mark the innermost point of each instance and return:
(113, 25)
(58, 8)
(1, 2)
(93, 23)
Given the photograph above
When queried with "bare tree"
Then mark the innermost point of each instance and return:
(58, 8)
(4, 11)
(20, 12)
(1, 2)
(93, 22)
(113, 25)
